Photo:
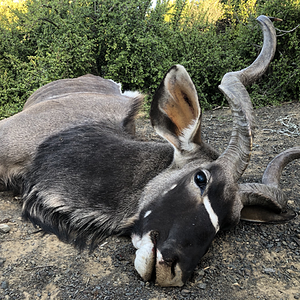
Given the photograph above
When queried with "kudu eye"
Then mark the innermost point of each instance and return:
(201, 181)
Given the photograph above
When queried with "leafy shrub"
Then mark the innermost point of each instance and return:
(129, 42)
(283, 78)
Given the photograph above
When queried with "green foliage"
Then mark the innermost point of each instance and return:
(129, 42)
(45, 43)
(283, 79)
(132, 46)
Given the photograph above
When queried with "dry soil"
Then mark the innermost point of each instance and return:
(251, 261)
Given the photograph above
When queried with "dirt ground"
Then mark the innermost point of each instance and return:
(251, 261)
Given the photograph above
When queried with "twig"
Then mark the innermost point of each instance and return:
(291, 129)
(38, 267)
(87, 282)
(103, 244)
(286, 31)
(49, 21)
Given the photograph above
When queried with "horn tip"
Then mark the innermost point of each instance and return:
(274, 19)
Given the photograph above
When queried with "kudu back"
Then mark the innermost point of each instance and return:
(84, 176)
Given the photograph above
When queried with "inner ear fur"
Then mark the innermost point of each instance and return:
(175, 109)
(182, 106)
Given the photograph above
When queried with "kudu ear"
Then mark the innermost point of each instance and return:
(266, 202)
(175, 110)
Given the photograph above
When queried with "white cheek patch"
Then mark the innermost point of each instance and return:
(147, 213)
(212, 215)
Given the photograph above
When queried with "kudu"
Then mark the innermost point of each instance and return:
(84, 176)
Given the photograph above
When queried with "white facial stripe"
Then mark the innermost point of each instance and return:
(212, 215)
(147, 213)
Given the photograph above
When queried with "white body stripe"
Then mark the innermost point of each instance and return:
(131, 94)
(212, 215)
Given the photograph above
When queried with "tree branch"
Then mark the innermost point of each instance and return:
(286, 31)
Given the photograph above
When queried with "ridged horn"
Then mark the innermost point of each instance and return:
(237, 154)
(274, 169)
(268, 194)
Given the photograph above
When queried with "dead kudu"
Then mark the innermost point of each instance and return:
(83, 176)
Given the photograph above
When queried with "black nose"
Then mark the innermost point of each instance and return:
(170, 258)
(154, 235)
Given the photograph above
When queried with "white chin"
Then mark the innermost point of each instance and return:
(145, 262)
(164, 274)
(144, 256)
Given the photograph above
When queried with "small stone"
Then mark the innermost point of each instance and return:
(185, 291)
(297, 241)
(2, 261)
(202, 286)
(269, 270)
(142, 283)
(4, 285)
(4, 228)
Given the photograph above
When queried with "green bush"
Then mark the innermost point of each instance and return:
(129, 42)
(283, 78)
(46, 43)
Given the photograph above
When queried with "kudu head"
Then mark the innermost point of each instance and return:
(183, 208)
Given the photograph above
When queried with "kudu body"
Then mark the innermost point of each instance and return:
(83, 176)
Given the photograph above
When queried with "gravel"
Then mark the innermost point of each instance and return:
(250, 261)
